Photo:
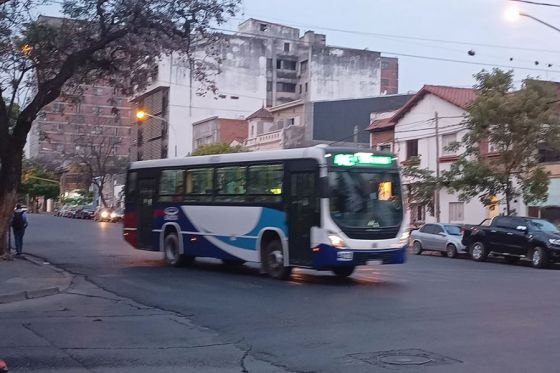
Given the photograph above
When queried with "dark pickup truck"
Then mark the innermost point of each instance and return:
(514, 238)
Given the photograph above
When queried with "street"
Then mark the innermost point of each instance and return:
(445, 315)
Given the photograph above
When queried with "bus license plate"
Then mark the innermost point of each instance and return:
(345, 256)
(374, 262)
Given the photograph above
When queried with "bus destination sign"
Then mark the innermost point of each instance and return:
(361, 160)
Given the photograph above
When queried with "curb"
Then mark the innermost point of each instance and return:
(24, 295)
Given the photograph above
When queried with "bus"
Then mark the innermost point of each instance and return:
(322, 207)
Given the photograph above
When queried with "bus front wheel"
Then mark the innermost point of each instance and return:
(343, 271)
(172, 252)
(274, 261)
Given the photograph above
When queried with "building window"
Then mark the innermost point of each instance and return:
(291, 122)
(548, 154)
(98, 91)
(286, 47)
(234, 97)
(286, 87)
(286, 65)
(57, 107)
(456, 211)
(384, 148)
(306, 87)
(269, 63)
(411, 148)
(263, 27)
(303, 66)
(269, 86)
(446, 141)
(300, 89)
(417, 213)
(96, 110)
(60, 148)
(493, 148)
(278, 64)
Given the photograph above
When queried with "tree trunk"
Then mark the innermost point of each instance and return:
(10, 174)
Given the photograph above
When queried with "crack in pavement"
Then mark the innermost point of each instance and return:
(242, 362)
(28, 327)
(145, 348)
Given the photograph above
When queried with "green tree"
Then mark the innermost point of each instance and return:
(38, 181)
(210, 149)
(515, 123)
(422, 185)
(116, 41)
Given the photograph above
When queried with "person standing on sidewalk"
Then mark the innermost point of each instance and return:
(19, 223)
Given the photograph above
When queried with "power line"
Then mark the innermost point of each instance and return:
(419, 38)
(537, 3)
(441, 59)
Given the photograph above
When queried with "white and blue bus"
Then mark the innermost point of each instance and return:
(322, 207)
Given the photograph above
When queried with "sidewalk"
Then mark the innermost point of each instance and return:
(28, 277)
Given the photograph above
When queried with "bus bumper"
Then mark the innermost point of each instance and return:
(326, 257)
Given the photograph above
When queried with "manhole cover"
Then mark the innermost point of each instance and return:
(405, 360)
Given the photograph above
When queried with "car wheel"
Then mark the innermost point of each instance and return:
(274, 261)
(451, 251)
(172, 252)
(479, 252)
(539, 259)
(417, 248)
(343, 271)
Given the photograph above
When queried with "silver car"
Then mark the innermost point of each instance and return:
(445, 238)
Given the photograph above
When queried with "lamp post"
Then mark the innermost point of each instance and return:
(141, 116)
(513, 14)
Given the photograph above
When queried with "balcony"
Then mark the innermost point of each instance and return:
(269, 140)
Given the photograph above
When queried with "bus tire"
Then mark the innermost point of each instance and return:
(343, 272)
(274, 261)
(172, 251)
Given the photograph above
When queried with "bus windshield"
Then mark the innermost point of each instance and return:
(365, 199)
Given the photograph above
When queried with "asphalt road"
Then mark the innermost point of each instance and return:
(432, 314)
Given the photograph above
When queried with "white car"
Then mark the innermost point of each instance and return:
(445, 238)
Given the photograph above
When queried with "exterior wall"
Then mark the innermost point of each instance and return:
(59, 124)
(382, 137)
(230, 130)
(418, 124)
(205, 132)
(339, 73)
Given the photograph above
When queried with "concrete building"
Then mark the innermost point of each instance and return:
(299, 123)
(262, 63)
(99, 112)
(215, 130)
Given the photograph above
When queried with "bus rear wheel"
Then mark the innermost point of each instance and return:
(343, 271)
(274, 261)
(172, 252)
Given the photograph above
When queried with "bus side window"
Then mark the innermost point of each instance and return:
(131, 186)
(265, 183)
(199, 185)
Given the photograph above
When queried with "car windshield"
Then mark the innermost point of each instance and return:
(544, 225)
(365, 199)
(453, 230)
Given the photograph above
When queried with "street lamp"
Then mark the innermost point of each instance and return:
(141, 115)
(513, 13)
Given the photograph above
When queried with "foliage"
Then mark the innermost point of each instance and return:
(516, 123)
(116, 41)
(38, 180)
(422, 185)
(210, 149)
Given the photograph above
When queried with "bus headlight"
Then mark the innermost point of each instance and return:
(113, 215)
(336, 241)
(104, 214)
(403, 240)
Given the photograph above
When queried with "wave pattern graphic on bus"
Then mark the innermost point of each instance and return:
(243, 223)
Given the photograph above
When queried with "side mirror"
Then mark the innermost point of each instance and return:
(521, 228)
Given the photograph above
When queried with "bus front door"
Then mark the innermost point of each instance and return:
(303, 213)
(144, 214)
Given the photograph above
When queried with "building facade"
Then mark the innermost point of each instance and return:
(262, 63)
(215, 130)
(98, 113)
(342, 122)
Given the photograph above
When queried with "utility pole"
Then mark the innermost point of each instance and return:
(436, 196)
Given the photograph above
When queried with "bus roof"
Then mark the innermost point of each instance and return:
(316, 152)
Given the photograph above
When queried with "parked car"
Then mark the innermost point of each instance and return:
(71, 212)
(445, 238)
(85, 212)
(102, 214)
(117, 215)
(514, 238)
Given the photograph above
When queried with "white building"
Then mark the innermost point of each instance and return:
(262, 63)
(441, 109)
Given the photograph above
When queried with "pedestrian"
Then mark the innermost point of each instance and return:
(19, 223)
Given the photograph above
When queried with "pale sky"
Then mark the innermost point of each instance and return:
(464, 23)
